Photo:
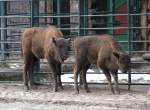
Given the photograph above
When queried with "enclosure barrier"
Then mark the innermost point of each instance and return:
(126, 20)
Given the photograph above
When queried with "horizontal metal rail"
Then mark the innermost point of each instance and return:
(21, 28)
(13, 42)
(72, 15)
(21, 83)
(18, 52)
(63, 72)
(16, 0)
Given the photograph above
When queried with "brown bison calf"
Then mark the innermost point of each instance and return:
(43, 43)
(102, 51)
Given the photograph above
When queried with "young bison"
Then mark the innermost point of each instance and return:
(43, 43)
(102, 51)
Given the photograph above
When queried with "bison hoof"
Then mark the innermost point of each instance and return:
(80, 86)
(61, 87)
(26, 88)
(117, 92)
(55, 90)
(88, 91)
(76, 92)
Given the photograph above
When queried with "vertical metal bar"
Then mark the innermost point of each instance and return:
(64, 10)
(3, 25)
(58, 13)
(129, 41)
(45, 10)
(110, 18)
(34, 12)
(113, 18)
(31, 15)
(54, 11)
(83, 19)
(0, 30)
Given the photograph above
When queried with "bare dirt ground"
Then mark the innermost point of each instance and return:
(14, 97)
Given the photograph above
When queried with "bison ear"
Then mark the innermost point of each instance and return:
(54, 40)
(116, 54)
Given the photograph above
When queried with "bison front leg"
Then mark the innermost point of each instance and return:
(81, 80)
(115, 76)
(108, 76)
(59, 75)
(55, 87)
(54, 76)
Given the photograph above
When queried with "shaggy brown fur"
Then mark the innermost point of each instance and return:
(102, 51)
(43, 43)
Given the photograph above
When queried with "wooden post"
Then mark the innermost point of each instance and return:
(144, 23)
(49, 6)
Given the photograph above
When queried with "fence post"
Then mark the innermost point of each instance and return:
(35, 23)
(3, 31)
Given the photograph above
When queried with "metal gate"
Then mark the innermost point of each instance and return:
(127, 20)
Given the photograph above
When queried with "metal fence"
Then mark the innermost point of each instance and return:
(127, 20)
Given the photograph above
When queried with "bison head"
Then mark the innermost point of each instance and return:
(123, 61)
(61, 48)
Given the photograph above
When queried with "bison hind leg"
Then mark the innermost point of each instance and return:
(84, 81)
(28, 71)
(77, 71)
(34, 67)
(54, 70)
(25, 77)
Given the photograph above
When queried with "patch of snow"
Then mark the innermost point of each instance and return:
(90, 70)
(14, 65)
(101, 77)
